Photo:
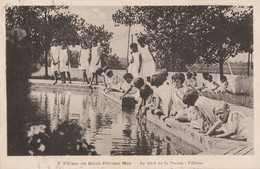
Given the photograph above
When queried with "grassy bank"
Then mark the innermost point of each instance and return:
(236, 99)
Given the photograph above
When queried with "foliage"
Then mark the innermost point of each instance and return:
(43, 23)
(183, 35)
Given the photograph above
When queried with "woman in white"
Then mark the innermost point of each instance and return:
(84, 57)
(148, 67)
(55, 59)
(135, 67)
(64, 62)
(95, 63)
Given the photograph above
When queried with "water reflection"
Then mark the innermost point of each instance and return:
(102, 124)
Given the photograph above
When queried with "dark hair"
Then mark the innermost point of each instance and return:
(138, 82)
(128, 75)
(180, 76)
(205, 75)
(164, 73)
(194, 74)
(209, 77)
(190, 97)
(141, 39)
(109, 72)
(133, 45)
(153, 80)
(145, 91)
(174, 76)
(223, 78)
(189, 75)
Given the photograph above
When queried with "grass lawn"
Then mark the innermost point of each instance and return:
(236, 99)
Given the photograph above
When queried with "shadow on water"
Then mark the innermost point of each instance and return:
(52, 122)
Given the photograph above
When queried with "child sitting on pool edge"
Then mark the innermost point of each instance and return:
(127, 87)
(235, 125)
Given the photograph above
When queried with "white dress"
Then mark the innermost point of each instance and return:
(148, 66)
(244, 126)
(84, 59)
(94, 60)
(163, 93)
(55, 55)
(63, 60)
(133, 67)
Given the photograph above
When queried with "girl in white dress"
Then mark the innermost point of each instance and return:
(135, 67)
(64, 62)
(95, 63)
(55, 59)
(148, 67)
(84, 57)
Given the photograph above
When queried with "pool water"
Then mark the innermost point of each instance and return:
(103, 124)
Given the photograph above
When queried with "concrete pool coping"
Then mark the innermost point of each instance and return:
(211, 146)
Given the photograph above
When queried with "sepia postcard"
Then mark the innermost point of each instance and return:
(129, 84)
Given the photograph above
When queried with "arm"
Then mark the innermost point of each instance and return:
(232, 127)
(217, 85)
(127, 91)
(213, 128)
(140, 63)
(139, 106)
(99, 55)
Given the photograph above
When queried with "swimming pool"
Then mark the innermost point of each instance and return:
(107, 129)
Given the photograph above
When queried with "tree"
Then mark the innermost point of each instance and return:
(36, 22)
(183, 35)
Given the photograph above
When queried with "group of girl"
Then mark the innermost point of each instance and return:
(89, 60)
(178, 99)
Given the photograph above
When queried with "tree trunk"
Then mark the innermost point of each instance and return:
(46, 63)
(248, 64)
(128, 46)
(221, 65)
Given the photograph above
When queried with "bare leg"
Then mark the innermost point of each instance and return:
(85, 77)
(68, 73)
(55, 77)
(96, 78)
(91, 81)
(63, 78)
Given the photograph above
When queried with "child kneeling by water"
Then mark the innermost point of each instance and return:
(161, 93)
(234, 125)
(129, 91)
(145, 101)
(111, 81)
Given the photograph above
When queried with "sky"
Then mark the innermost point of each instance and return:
(99, 15)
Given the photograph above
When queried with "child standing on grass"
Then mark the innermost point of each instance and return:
(95, 63)
(84, 57)
(55, 59)
(234, 125)
(64, 62)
